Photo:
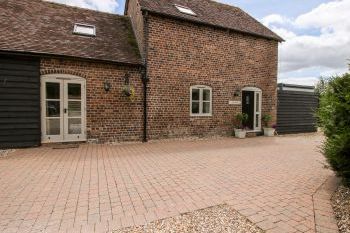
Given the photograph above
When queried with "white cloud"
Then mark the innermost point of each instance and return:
(274, 19)
(309, 81)
(317, 39)
(333, 15)
(100, 5)
(284, 33)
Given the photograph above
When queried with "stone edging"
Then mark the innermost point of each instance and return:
(325, 221)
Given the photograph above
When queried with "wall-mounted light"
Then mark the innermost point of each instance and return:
(107, 85)
(126, 87)
(237, 93)
(127, 79)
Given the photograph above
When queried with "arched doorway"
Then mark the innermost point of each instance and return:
(63, 108)
(251, 105)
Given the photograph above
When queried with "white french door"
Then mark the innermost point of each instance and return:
(63, 108)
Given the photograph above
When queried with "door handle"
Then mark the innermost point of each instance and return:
(65, 110)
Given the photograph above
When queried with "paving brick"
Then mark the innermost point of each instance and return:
(302, 228)
(257, 218)
(266, 225)
(106, 186)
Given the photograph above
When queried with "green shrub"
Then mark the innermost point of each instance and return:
(266, 119)
(334, 118)
(242, 119)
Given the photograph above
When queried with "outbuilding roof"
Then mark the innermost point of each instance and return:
(39, 27)
(210, 13)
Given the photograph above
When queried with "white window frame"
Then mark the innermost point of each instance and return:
(201, 88)
(75, 30)
(185, 10)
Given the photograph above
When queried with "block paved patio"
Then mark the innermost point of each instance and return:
(98, 188)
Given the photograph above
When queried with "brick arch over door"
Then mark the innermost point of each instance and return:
(62, 71)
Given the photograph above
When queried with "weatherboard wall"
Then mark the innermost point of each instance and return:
(19, 102)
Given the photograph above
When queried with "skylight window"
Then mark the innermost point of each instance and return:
(84, 29)
(185, 10)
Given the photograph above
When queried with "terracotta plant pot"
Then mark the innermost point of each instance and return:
(240, 133)
(269, 132)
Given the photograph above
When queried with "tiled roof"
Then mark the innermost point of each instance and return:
(211, 13)
(42, 27)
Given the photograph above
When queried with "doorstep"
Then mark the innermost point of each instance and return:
(62, 145)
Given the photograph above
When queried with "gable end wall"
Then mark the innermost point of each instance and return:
(182, 54)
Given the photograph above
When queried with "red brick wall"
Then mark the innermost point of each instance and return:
(111, 117)
(182, 54)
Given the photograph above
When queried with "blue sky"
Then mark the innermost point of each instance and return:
(316, 32)
(262, 8)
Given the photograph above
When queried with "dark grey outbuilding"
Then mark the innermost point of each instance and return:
(296, 109)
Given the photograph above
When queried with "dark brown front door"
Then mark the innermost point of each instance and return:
(248, 107)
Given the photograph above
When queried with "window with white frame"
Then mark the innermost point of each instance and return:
(201, 101)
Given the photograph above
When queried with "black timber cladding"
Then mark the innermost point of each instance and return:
(19, 102)
(296, 109)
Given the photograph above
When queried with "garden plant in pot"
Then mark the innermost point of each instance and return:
(240, 130)
(268, 131)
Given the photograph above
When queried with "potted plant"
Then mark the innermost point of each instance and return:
(268, 131)
(240, 131)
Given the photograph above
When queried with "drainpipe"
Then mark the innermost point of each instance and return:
(145, 78)
(144, 82)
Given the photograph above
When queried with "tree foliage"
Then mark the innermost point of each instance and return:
(334, 118)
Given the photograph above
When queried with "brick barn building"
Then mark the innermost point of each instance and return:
(167, 68)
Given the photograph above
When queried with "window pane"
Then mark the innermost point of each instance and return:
(74, 126)
(52, 90)
(74, 91)
(195, 94)
(52, 126)
(84, 29)
(52, 108)
(206, 94)
(74, 108)
(257, 102)
(185, 10)
(195, 107)
(206, 107)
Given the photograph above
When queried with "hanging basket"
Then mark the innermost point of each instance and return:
(129, 92)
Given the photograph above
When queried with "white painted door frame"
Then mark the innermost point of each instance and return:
(257, 107)
(63, 136)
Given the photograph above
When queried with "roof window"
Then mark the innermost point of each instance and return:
(84, 29)
(185, 10)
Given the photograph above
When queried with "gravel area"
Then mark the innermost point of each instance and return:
(341, 206)
(4, 153)
(222, 218)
